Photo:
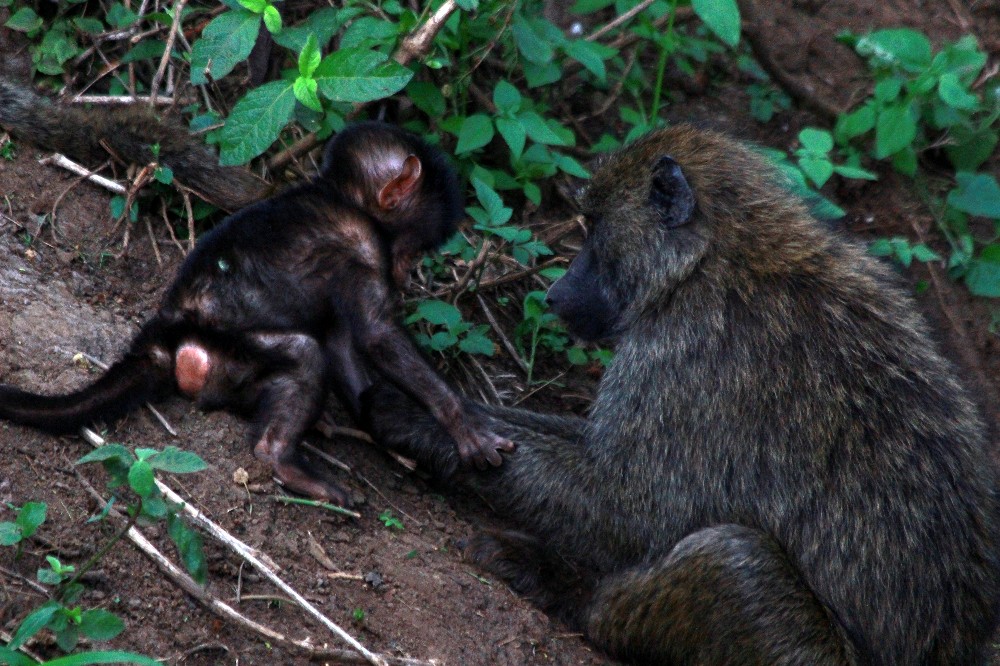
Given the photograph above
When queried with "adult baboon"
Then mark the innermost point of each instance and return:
(778, 468)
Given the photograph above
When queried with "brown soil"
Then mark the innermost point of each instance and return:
(58, 297)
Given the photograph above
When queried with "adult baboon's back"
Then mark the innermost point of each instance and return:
(779, 467)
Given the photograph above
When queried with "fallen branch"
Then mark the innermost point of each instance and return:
(254, 557)
(760, 45)
(60, 160)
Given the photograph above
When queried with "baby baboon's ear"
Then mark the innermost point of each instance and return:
(670, 194)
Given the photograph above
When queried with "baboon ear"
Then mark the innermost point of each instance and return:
(402, 186)
(670, 194)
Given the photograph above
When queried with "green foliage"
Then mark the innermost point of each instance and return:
(390, 521)
(67, 621)
(924, 102)
(29, 518)
(137, 473)
(8, 150)
(447, 331)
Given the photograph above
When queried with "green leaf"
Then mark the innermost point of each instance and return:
(24, 20)
(513, 133)
(256, 6)
(506, 97)
(854, 172)
(888, 90)
(305, 91)
(895, 129)
(100, 625)
(108, 657)
(476, 132)
(31, 515)
(89, 25)
(591, 55)
(921, 252)
(721, 16)
(443, 340)
(476, 342)
(34, 623)
(189, 546)
(12, 658)
(818, 169)
(954, 94)
(310, 57)
(272, 19)
(140, 478)
(427, 97)
(976, 194)
(120, 16)
(176, 461)
(899, 47)
(226, 41)
(971, 147)
(368, 31)
(569, 165)
(983, 276)
(10, 534)
(816, 140)
(164, 174)
(108, 452)
(360, 75)
(439, 313)
(255, 122)
(468, 5)
(48, 577)
(491, 202)
(538, 130)
(531, 43)
(321, 24)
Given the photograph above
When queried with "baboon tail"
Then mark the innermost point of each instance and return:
(129, 134)
(126, 385)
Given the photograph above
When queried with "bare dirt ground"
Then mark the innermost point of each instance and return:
(60, 295)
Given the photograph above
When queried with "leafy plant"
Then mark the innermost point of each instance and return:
(390, 521)
(137, 472)
(926, 103)
(447, 331)
(60, 615)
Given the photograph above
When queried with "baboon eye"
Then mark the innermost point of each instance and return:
(223, 266)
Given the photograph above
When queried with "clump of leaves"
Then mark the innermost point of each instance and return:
(137, 472)
(390, 521)
(927, 103)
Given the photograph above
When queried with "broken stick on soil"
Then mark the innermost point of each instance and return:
(261, 562)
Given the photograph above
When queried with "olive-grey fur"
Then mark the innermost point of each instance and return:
(779, 466)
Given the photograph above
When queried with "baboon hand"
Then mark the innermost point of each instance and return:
(479, 446)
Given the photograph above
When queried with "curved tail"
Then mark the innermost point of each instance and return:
(126, 385)
(128, 133)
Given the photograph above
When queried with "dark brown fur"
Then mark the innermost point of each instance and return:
(289, 297)
(88, 135)
(779, 467)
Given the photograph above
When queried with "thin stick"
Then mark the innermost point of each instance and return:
(627, 16)
(255, 558)
(124, 100)
(59, 160)
(500, 334)
(154, 88)
(418, 42)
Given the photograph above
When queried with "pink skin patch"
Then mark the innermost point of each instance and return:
(191, 369)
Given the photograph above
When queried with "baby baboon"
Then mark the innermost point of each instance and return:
(289, 297)
(778, 468)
